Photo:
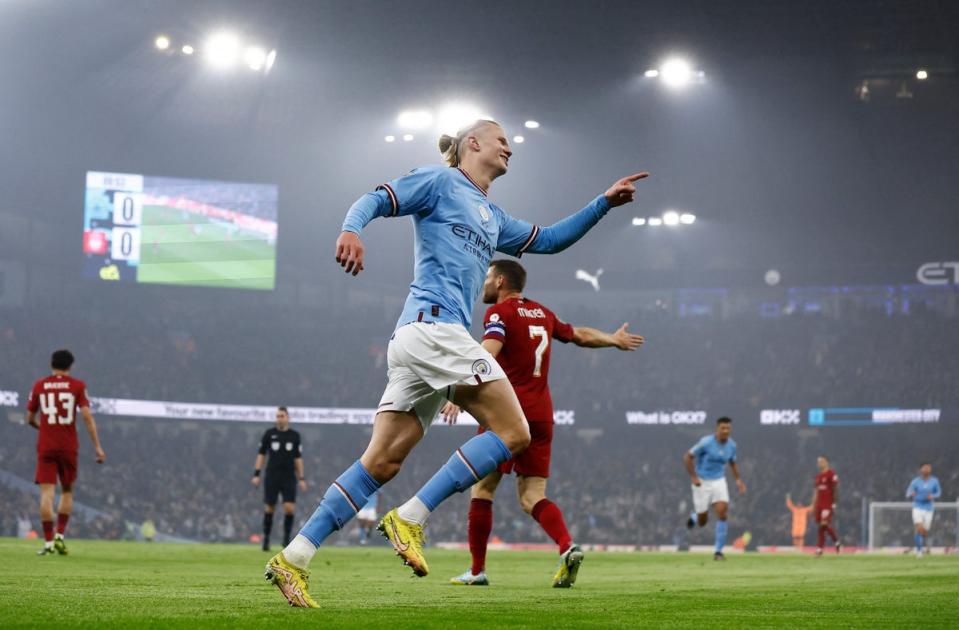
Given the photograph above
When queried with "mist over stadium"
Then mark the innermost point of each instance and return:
(175, 175)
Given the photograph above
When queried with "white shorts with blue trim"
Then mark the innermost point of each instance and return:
(922, 517)
(425, 363)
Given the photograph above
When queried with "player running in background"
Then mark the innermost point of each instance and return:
(800, 517)
(57, 398)
(923, 490)
(824, 504)
(517, 334)
(431, 356)
(706, 462)
(284, 467)
(367, 517)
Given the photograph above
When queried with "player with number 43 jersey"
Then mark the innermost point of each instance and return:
(57, 398)
(518, 333)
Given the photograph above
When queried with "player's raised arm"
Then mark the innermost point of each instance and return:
(401, 197)
(518, 237)
(92, 430)
(592, 338)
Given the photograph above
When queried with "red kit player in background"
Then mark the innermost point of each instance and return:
(57, 397)
(518, 333)
(824, 503)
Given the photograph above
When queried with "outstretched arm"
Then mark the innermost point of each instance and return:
(592, 338)
(555, 238)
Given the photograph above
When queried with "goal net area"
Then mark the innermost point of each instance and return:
(891, 527)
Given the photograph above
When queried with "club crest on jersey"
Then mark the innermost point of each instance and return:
(484, 213)
(289, 446)
(481, 366)
(275, 446)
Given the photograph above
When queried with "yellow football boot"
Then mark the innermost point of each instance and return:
(292, 581)
(569, 562)
(407, 539)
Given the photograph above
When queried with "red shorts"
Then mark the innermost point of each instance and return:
(824, 514)
(534, 461)
(53, 464)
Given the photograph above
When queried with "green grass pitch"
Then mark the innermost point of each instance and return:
(137, 585)
(201, 253)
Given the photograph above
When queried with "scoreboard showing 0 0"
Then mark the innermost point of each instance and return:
(179, 231)
(127, 216)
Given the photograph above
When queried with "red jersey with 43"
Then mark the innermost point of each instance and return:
(826, 483)
(527, 329)
(57, 398)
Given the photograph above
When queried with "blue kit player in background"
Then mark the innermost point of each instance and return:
(367, 517)
(432, 357)
(923, 490)
(706, 465)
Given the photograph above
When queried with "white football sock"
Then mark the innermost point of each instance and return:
(300, 551)
(414, 511)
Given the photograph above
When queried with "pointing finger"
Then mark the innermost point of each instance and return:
(637, 176)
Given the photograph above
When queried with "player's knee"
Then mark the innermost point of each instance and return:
(517, 438)
(383, 469)
(529, 500)
(66, 489)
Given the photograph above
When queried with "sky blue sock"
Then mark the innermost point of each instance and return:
(342, 501)
(720, 535)
(470, 463)
(918, 541)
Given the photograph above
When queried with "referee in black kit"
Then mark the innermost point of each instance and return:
(284, 468)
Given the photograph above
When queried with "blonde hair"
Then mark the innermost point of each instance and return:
(451, 146)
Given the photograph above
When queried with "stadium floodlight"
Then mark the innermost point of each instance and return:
(222, 50)
(408, 137)
(519, 139)
(187, 49)
(639, 221)
(254, 57)
(415, 119)
(270, 60)
(652, 73)
(454, 117)
(676, 73)
(671, 217)
(687, 218)
(162, 42)
(655, 221)
(531, 124)
(922, 75)
(390, 138)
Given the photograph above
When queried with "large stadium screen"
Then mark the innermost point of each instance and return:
(161, 230)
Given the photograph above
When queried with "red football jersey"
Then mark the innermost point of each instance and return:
(826, 483)
(57, 398)
(526, 327)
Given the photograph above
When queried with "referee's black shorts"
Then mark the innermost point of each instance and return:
(276, 485)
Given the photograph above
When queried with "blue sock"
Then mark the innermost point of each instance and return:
(342, 501)
(720, 535)
(470, 463)
(919, 541)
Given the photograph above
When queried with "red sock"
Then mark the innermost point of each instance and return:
(550, 518)
(47, 530)
(62, 520)
(821, 540)
(832, 534)
(479, 528)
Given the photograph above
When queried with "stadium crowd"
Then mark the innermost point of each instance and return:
(616, 483)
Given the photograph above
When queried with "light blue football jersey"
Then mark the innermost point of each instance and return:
(711, 456)
(923, 491)
(457, 231)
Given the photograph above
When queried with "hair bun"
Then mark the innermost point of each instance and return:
(446, 142)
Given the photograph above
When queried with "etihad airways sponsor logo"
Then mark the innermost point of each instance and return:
(939, 273)
(475, 242)
(666, 417)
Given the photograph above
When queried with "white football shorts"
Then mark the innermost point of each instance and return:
(425, 363)
(708, 492)
(922, 517)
